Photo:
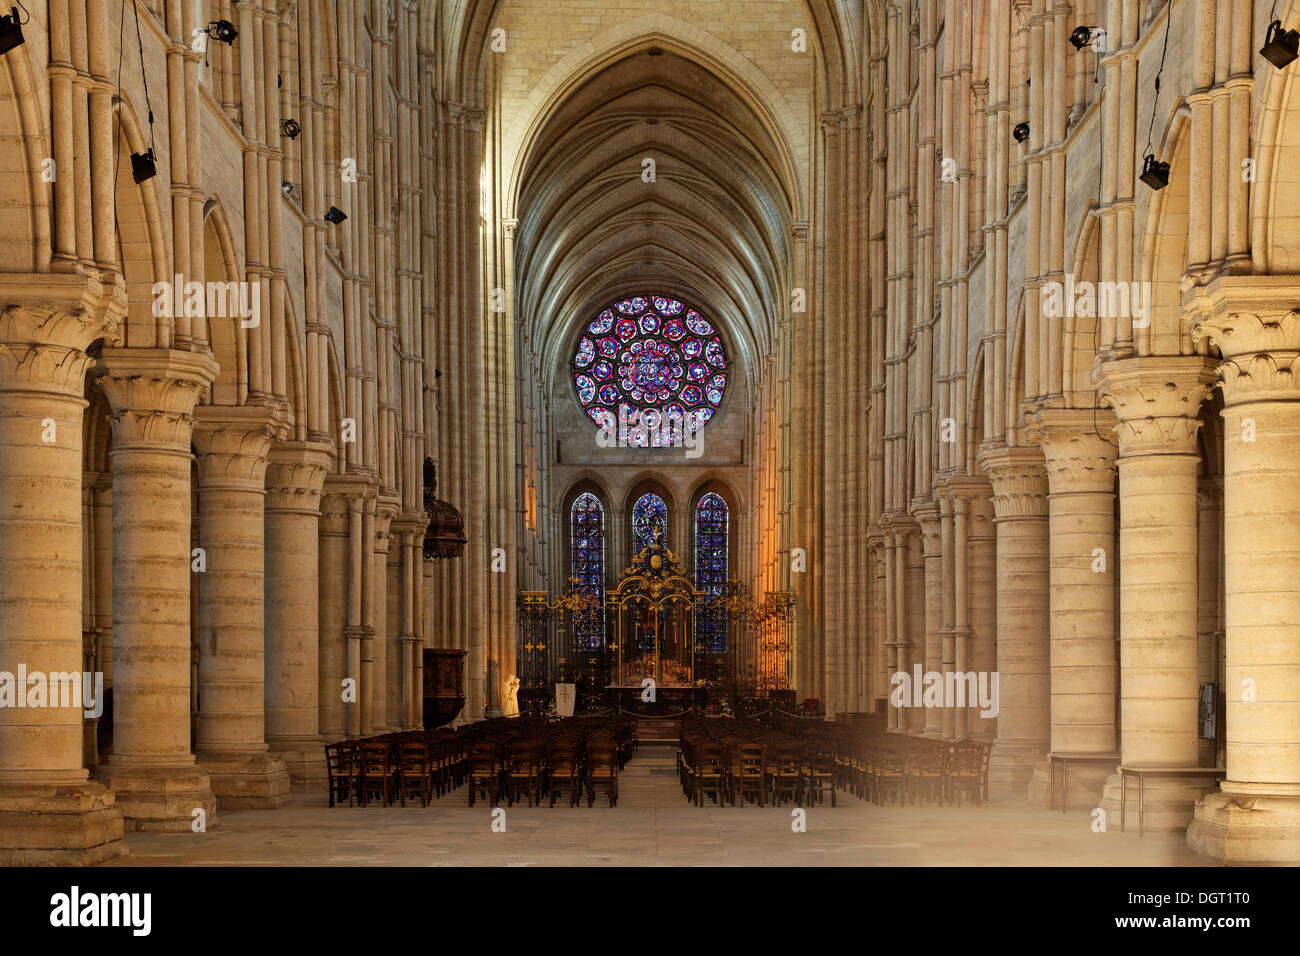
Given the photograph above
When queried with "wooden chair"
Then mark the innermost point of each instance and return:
(602, 771)
(562, 771)
(926, 768)
(747, 772)
(523, 772)
(888, 772)
(484, 772)
(964, 773)
(341, 763)
(414, 775)
(819, 774)
(710, 773)
(786, 774)
(377, 771)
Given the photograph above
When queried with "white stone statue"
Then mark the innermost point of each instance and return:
(510, 706)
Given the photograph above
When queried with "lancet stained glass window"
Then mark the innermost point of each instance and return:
(587, 556)
(711, 571)
(648, 368)
(648, 513)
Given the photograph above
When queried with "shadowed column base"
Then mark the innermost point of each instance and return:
(1237, 828)
(247, 780)
(304, 758)
(1011, 766)
(1084, 784)
(161, 798)
(76, 824)
(1168, 802)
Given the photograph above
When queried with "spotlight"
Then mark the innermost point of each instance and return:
(287, 188)
(1154, 173)
(1021, 132)
(290, 128)
(1088, 36)
(335, 215)
(222, 30)
(1280, 46)
(11, 31)
(143, 166)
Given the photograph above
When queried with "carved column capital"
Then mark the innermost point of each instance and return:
(153, 393)
(233, 445)
(335, 512)
(1157, 402)
(1255, 323)
(927, 517)
(48, 320)
(1076, 452)
(1019, 479)
(295, 476)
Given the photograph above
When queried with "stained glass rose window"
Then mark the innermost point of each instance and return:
(649, 367)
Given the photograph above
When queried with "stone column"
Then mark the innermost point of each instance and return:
(895, 655)
(153, 393)
(1019, 481)
(914, 606)
(981, 655)
(333, 615)
(1157, 403)
(948, 639)
(928, 519)
(1209, 636)
(1254, 816)
(1081, 533)
(382, 642)
(233, 445)
(50, 811)
(294, 480)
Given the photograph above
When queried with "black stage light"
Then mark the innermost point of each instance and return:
(1280, 46)
(1155, 173)
(222, 30)
(290, 128)
(1021, 132)
(11, 31)
(335, 215)
(143, 166)
(1085, 36)
(287, 188)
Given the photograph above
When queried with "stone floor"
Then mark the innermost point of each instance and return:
(653, 825)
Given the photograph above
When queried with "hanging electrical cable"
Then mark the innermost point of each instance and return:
(1155, 173)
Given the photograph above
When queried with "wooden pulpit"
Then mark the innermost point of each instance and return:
(444, 685)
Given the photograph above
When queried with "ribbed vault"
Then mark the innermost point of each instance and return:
(713, 226)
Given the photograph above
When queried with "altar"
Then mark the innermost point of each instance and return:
(672, 699)
(654, 629)
(652, 618)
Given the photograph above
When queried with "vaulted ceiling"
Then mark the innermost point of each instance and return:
(714, 225)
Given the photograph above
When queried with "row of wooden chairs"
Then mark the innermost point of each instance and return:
(393, 767)
(755, 772)
(531, 769)
(740, 761)
(915, 769)
(502, 759)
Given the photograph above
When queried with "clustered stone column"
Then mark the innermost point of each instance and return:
(1080, 465)
(1254, 816)
(153, 393)
(1020, 517)
(1157, 402)
(294, 479)
(233, 445)
(50, 811)
(928, 519)
(334, 597)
